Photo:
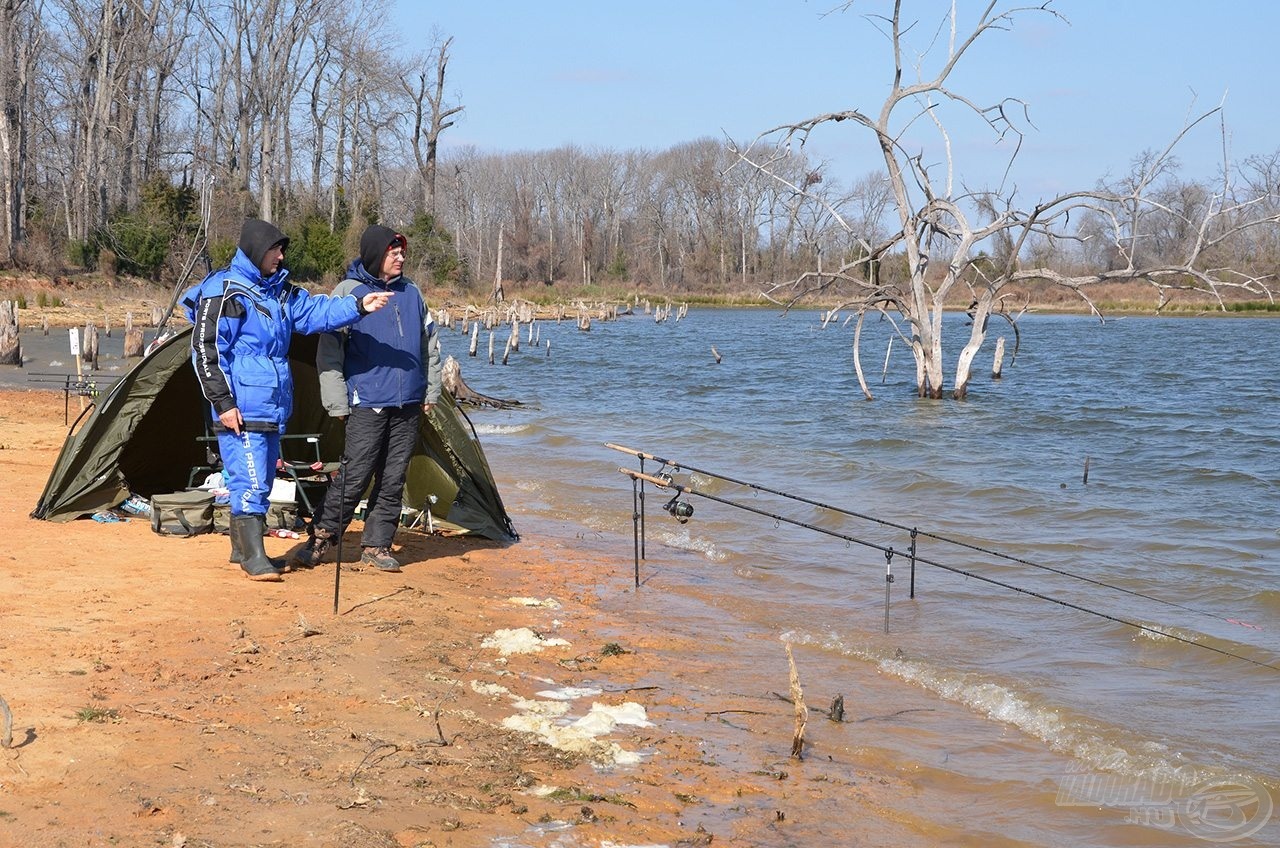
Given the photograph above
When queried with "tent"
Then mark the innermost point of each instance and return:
(143, 437)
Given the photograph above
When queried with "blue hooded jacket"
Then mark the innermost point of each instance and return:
(240, 346)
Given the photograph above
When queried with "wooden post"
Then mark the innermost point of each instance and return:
(506, 353)
(513, 343)
(10, 342)
(998, 362)
(716, 354)
(76, 350)
(490, 347)
(887, 351)
(548, 348)
(44, 324)
(475, 339)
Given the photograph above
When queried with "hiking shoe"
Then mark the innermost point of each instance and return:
(379, 558)
(310, 554)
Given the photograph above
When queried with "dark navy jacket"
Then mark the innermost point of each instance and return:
(388, 358)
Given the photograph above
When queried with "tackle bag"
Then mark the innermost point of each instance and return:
(188, 513)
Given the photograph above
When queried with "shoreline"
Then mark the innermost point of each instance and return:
(159, 696)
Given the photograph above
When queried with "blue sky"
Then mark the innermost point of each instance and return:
(1120, 77)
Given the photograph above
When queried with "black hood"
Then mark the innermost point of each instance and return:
(257, 237)
(374, 244)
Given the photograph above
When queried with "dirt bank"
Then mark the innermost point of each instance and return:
(159, 698)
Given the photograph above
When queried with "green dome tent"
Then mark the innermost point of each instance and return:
(143, 437)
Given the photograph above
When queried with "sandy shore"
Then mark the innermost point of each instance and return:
(159, 698)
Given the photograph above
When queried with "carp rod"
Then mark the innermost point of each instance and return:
(915, 532)
(683, 515)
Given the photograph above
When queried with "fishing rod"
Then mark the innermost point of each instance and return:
(682, 511)
(936, 537)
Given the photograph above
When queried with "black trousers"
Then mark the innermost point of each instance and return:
(379, 446)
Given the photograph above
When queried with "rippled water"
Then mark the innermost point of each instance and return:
(1011, 696)
(1178, 421)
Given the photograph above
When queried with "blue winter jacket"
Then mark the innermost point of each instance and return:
(240, 346)
(388, 358)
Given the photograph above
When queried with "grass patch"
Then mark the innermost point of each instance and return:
(574, 795)
(97, 715)
(613, 649)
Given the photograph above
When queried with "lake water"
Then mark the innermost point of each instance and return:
(1016, 720)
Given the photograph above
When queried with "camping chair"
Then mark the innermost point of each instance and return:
(310, 475)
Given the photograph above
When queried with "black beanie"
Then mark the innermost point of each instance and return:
(375, 243)
(257, 237)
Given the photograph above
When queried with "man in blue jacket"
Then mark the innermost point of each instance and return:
(379, 375)
(245, 315)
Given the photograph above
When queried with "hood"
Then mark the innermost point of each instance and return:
(257, 237)
(374, 244)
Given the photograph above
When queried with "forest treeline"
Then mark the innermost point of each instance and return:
(123, 119)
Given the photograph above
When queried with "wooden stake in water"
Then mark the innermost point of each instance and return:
(1086, 470)
(998, 362)
(887, 351)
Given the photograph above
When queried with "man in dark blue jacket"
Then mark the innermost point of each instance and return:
(245, 315)
(379, 375)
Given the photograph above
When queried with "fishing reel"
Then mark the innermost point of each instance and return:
(680, 510)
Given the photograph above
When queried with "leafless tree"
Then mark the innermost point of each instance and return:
(20, 42)
(948, 234)
(431, 117)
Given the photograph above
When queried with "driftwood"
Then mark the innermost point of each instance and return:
(802, 712)
(451, 376)
(10, 344)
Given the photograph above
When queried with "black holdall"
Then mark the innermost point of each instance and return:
(188, 513)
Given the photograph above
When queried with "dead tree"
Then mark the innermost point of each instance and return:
(10, 343)
(430, 118)
(955, 231)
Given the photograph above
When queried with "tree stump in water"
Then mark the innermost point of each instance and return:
(451, 377)
(89, 346)
(10, 343)
(998, 362)
(132, 337)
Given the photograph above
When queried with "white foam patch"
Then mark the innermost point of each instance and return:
(573, 739)
(491, 689)
(686, 542)
(548, 603)
(521, 640)
(582, 735)
(500, 429)
(569, 693)
(551, 709)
